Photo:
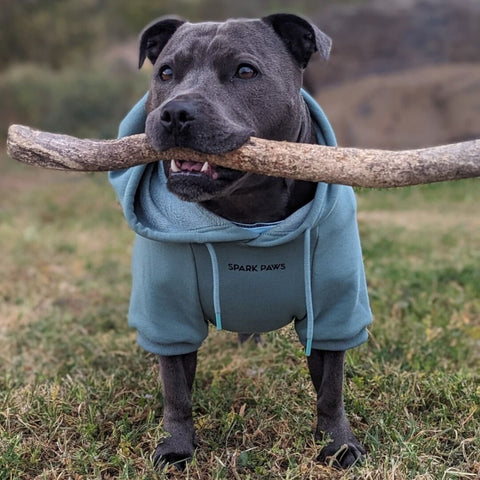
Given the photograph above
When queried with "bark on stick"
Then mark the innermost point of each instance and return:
(349, 166)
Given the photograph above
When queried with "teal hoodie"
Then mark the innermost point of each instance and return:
(191, 267)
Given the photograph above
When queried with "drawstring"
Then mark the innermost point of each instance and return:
(216, 288)
(308, 292)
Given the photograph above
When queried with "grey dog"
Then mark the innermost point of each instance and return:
(213, 86)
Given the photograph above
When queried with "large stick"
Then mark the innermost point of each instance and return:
(348, 166)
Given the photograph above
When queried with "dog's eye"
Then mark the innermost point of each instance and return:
(165, 73)
(245, 72)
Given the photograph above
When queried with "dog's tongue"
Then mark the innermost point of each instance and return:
(191, 166)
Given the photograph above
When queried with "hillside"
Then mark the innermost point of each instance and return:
(419, 107)
(403, 73)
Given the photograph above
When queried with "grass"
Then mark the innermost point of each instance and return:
(79, 399)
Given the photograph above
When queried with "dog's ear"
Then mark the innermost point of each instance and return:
(155, 36)
(300, 36)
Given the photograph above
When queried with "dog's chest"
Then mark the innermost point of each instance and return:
(259, 289)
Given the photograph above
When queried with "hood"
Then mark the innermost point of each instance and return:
(154, 212)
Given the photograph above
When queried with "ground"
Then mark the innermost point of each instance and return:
(78, 398)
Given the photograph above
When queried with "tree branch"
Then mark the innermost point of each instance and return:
(348, 166)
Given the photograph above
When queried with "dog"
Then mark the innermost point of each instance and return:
(247, 252)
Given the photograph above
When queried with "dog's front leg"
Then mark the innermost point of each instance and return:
(177, 373)
(326, 370)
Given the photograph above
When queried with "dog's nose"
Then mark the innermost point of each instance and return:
(177, 114)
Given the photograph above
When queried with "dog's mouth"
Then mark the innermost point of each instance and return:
(187, 167)
(199, 181)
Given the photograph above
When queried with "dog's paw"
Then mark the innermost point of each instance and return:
(167, 454)
(343, 456)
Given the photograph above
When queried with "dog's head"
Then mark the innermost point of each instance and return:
(216, 84)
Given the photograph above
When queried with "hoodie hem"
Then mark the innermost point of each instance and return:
(340, 345)
(166, 349)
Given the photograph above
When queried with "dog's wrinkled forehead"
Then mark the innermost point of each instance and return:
(194, 43)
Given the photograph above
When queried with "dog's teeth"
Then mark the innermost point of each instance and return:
(173, 167)
(204, 167)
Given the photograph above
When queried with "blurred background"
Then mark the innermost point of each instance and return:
(403, 73)
(81, 402)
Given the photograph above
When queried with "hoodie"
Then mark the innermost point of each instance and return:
(191, 267)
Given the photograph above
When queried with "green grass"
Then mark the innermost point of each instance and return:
(79, 399)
